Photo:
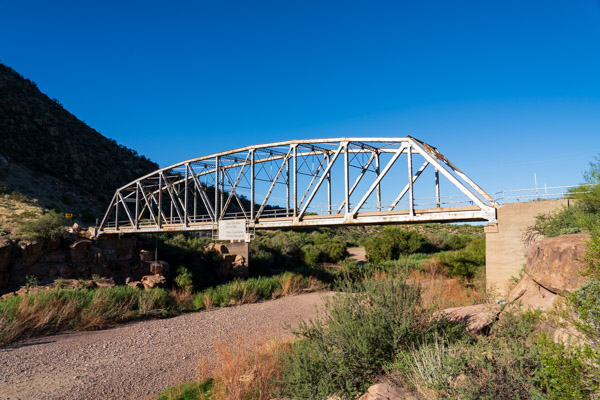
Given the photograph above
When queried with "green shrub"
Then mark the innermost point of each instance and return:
(183, 280)
(466, 262)
(457, 366)
(49, 226)
(359, 334)
(586, 302)
(456, 242)
(567, 372)
(188, 391)
(391, 242)
(312, 254)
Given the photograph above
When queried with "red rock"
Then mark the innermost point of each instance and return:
(531, 295)
(555, 263)
(152, 281)
(477, 317)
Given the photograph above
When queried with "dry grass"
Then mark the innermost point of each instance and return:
(182, 298)
(243, 373)
(440, 292)
(51, 311)
(14, 211)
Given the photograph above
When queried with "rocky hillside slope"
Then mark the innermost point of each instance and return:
(49, 154)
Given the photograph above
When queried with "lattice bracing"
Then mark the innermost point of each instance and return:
(299, 183)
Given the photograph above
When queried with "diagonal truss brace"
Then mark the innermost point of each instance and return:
(379, 178)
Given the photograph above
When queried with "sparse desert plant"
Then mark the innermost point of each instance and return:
(202, 390)
(50, 311)
(342, 351)
(466, 262)
(49, 226)
(243, 373)
(183, 280)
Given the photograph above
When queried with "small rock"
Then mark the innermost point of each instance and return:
(478, 317)
(152, 281)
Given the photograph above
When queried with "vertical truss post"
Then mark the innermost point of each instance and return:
(117, 211)
(185, 198)
(159, 200)
(137, 207)
(328, 186)
(346, 179)
(294, 155)
(437, 188)
(287, 188)
(222, 192)
(195, 203)
(251, 185)
(411, 197)
(216, 189)
(378, 185)
(171, 212)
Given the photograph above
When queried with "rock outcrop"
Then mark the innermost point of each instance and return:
(556, 263)
(477, 318)
(153, 281)
(554, 267)
(76, 258)
(232, 265)
(387, 391)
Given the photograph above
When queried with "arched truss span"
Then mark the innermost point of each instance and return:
(298, 183)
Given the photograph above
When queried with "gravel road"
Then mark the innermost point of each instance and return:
(138, 360)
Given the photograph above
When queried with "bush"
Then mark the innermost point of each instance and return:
(499, 366)
(49, 226)
(188, 391)
(360, 332)
(567, 372)
(456, 242)
(466, 262)
(391, 242)
(183, 280)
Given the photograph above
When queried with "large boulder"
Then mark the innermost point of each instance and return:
(146, 255)
(556, 263)
(81, 251)
(31, 252)
(159, 268)
(531, 295)
(477, 318)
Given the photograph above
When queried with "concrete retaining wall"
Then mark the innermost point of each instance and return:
(505, 250)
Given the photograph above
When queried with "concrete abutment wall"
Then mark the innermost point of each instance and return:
(505, 248)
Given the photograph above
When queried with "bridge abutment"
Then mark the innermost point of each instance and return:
(505, 248)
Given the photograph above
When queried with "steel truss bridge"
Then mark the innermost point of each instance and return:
(302, 183)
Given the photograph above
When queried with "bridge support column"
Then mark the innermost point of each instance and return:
(505, 250)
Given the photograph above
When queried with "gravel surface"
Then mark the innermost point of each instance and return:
(138, 360)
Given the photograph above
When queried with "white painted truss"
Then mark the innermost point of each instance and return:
(301, 183)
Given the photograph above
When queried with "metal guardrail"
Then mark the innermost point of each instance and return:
(538, 194)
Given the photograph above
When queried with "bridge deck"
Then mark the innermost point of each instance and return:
(449, 214)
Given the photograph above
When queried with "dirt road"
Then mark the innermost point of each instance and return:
(138, 360)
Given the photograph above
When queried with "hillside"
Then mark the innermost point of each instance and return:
(47, 154)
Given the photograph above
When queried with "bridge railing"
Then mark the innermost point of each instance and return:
(318, 209)
(538, 194)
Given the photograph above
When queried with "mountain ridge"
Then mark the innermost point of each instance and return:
(48, 154)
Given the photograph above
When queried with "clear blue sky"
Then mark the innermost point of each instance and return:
(505, 89)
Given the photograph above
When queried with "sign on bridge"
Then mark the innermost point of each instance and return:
(233, 230)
